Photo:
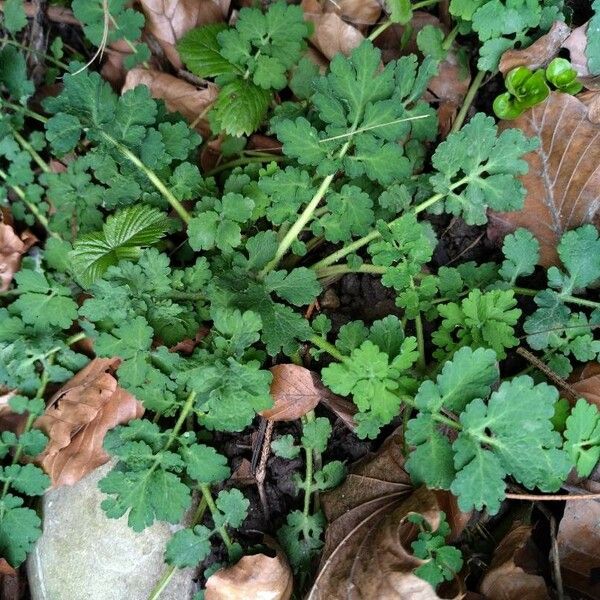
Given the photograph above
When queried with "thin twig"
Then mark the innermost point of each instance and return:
(553, 497)
(261, 471)
(550, 374)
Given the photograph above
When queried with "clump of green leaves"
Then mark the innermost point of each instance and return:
(527, 88)
(443, 561)
(250, 62)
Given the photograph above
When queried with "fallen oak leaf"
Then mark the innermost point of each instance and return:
(179, 96)
(540, 53)
(563, 178)
(507, 579)
(587, 383)
(78, 417)
(254, 576)
(12, 247)
(169, 20)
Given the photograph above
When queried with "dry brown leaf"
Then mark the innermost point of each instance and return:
(331, 35)
(506, 578)
(579, 547)
(295, 392)
(169, 20)
(357, 12)
(12, 247)
(576, 44)
(591, 98)
(587, 383)
(78, 417)
(179, 95)
(540, 53)
(370, 558)
(563, 181)
(257, 576)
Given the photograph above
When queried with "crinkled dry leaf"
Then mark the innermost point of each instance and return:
(257, 576)
(295, 392)
(540, 53)
(563, 180)
(591, 98)
(12, 247)
(579, 547)
(370, 558)
(357, 12)
(179, 95)
(169, 20)
(506, 578)
(78, 417)
(332, 35)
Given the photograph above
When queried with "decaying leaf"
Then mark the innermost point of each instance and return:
(332, 34)
(255, 576)
(357, 12)
(563, 180)
(579, 547)
(12, 247)
(169, 20)
(540, 53)
(506, 578)
(295, 392)
(78, 417)
(5, 568)
(371, 558)
(179, 95)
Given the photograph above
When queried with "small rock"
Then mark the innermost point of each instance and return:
(329, 299)
(84, 555)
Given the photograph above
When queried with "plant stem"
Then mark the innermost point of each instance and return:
(567, 298)
(386, 24)
(29, 148)
(32, 207)
(335, 270)
(447, 43)
(152, 176)
(162, 583)
(472, 91)
(214, 511)
(30, 113)
(435, 416)
(420, 341)
(323, 344)
(245, 161)
(45, 56)
(310, 416)
(29, 423)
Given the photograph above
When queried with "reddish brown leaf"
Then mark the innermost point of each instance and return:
(78, 417)
(5, 568)
(331, 35)
(507, 579)
(587, 383)
(254, 576)
(169, 20)
(563, 179)
(579, 547)
(12, 247)
(179, 95)
(357, 12)
(295, 391)
(540, 53)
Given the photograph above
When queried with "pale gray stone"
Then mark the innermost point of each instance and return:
(83, 555)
